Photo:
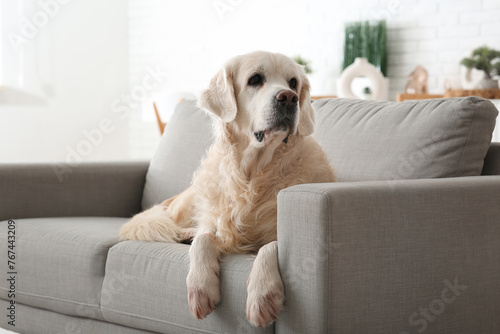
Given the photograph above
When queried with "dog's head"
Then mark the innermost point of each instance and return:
(265, 95)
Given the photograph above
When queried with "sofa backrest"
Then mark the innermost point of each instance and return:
(364, 141)
(186, 138)
(436, 138)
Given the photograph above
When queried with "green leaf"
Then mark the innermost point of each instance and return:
(485, 59)
(366, 39)
(468, 62)
(301, 61)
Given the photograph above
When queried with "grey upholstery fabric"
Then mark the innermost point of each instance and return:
(60, 262)
(112, 189)
(360, 257)
(374, 257)
(149, 290)
(32, 320)
(187, 136)
(492, 160)
(368, 140)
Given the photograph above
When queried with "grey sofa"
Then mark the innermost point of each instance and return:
(407, 242)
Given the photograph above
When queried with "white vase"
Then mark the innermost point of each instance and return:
(362, 68)
(365, 96)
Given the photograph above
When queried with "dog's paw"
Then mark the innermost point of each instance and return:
(186, 236)
(201, 302)
(264, 301)
(203, 291)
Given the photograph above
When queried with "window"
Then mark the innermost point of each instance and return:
(10, 58)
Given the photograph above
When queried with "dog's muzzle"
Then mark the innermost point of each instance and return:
(285, 107)
(285, 110)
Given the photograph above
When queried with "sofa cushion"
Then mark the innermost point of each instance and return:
(368, 140)
(38, 321)
(148, 290)
(364, 140)
(186, 138)
(60, 262)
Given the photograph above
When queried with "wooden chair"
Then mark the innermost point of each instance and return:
(161, 124)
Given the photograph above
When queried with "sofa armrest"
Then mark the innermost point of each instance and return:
(492, 160)
(391, 256)
(91, 189)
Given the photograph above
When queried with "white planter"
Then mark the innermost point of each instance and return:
(366, 96)
(359, 75)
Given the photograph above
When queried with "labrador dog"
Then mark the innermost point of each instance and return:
(263, 119)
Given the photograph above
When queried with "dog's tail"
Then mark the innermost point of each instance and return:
(155, 225)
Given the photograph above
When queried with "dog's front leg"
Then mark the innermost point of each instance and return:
(264, 287)
(203, 279)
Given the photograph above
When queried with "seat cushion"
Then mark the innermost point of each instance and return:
(60, 262)
(38, 321)
(368, 140)
(186, 138)
(148, 290)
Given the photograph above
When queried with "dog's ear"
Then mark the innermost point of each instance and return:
(219, 97)
(307, 118)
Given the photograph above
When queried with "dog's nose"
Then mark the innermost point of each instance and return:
(287, 98)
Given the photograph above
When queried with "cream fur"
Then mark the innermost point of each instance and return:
(231, 205)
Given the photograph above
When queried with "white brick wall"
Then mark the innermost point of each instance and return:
(190, 40)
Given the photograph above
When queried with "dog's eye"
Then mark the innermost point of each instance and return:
(255, 80)
(292, 83)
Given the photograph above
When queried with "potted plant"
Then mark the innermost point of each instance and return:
(366, 39)
(305, 63)
(365, 60)
(486, 60)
